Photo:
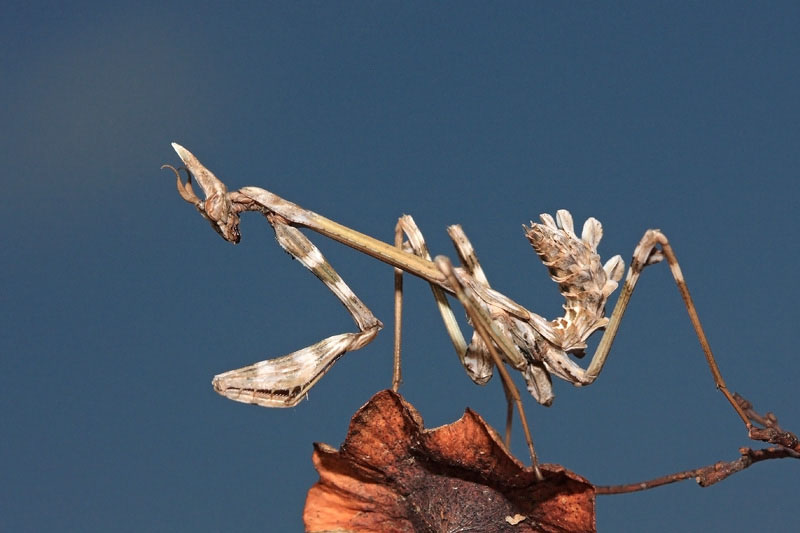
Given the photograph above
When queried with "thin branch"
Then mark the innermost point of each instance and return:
(706, 475)
(771, 431)
(787, 447)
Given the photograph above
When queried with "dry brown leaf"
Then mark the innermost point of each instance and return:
(392, 475)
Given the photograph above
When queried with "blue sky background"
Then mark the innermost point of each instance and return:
(119, 303)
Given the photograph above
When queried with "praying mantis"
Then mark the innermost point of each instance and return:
(505, 333)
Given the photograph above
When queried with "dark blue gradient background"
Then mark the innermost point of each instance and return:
(119, 303)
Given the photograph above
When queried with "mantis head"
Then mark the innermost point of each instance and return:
(217, 208)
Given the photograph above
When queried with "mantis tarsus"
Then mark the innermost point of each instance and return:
(505, 332)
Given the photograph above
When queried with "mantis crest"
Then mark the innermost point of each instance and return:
(506, 334)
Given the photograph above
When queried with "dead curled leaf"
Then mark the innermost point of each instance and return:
(393, 475)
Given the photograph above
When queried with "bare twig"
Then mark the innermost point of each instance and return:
(706, 475)
(771, 431)
(787, 448)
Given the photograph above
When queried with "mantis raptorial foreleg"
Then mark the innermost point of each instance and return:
(475, 357)
(478, 364)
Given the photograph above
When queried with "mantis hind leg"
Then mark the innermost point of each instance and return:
(653, 248)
